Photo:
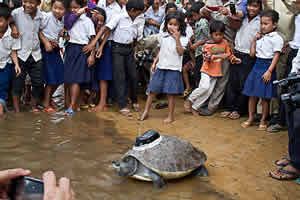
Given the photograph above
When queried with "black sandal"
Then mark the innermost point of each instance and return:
(294, 175)
(282, 165)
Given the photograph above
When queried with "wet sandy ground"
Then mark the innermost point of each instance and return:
(239, 159)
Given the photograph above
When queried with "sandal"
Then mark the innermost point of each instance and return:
(274, 128)
(234, 115)
(186, 93)
(284, 175)
(161, 105)
(283, 164)
(225, 114)
(262, 127)
(34, 109)
(70, 112)
(49, 110)
(246, 124)
(136, 107)
(84, 106)
(126, 112)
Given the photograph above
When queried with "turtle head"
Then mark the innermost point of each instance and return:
(127, 166)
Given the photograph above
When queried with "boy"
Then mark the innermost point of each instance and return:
(124, 30)
(215, 51)
(28, 20)
(8, 50)
(236, 103)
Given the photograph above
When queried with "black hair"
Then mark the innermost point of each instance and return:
(274, 15)
(135, 4)
(188, 13)
(5, 11)
(196, 6)
(79, 2)
(179, 16)
(150, 2)
(217, 26)
(64, 2)
(101, 11)
(170, 5)
(256, 1)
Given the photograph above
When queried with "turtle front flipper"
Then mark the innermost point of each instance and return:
(157, 180)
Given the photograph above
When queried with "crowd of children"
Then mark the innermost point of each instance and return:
(91, 46)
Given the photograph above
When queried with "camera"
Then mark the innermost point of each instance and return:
(291, 84)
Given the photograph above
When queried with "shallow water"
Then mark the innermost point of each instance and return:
(82, 148)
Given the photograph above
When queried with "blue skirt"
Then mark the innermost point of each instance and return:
(53, 67)
(104, 64)
(166, 81)
(255, 85)
(94, 83)
(5, 78)
(76, 68)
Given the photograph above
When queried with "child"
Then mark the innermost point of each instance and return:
(8, 50)
(76, 66)
(124, 32)
(201, 36)
(154, 17)
(266, 46)
(28, 22)
(168, 63)
(52, 25)
(169, 7)
(103, 66)
(236, 103)
(214, 52)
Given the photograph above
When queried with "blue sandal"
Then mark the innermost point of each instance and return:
(69, 112)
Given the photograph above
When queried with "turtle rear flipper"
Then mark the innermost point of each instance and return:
(157, 180)
(201, 171)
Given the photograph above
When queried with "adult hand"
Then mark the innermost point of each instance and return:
(53, 192)
(6, 176)
(205, 11)
(224, 11)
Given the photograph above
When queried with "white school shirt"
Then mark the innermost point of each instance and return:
(82, 30)
(111, 11)
(168, 57)
(296, 63)
(140, 21)
(295, 43)
(7, 44)
(28, 29)
(268, 44)
(124, 30)
(246, 34)
(51, 26)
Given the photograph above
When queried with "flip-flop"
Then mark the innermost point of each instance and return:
(70, 112)
(136, 107)
(246, 124)
(282, 165)
(35, 110)
(49, 110)
(225, 114)
(234, 115)
(293, 176)
(262, 127)
(274, 128)
(161, 105)
(206, 112)
(126, 112)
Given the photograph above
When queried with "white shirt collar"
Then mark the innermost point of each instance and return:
(7, 33)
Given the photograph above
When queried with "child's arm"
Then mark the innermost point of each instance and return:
(92, 44)
(198, 44)
(253, 44)
(179, 48)
(99, 52)
(71, 18)
(14, 57)
(267, 75)
(153, 67)
(47, 44)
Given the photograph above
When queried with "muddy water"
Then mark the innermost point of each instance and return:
(82, 148)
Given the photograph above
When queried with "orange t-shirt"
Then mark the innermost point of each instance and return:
(211, 66)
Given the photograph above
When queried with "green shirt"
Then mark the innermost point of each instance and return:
(201, 33)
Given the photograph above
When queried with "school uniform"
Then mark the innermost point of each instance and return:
(168, 77)
(266, 46)
(234, 99)
(7, 44)
(53, 63)
(30, 56)
(76, 68)
(157, 17)
(124, 32)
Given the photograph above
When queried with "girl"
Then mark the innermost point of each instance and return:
(77, 63)
(103, 64)
(266, 46)
(52, 25)
(169, 7)
(168, 63)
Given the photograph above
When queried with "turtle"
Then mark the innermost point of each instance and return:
(156, 158)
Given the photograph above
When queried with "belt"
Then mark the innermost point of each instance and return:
(240, 53)
(116, 44)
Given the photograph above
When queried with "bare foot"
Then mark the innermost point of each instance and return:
(168, 120)
(144, 116)
(187, 106)
(195, 112)
(1, 109)
(283, 162)
(98, 108)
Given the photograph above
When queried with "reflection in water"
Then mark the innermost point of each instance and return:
(82, 148)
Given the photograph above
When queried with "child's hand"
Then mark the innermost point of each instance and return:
(258, 36)
(175, 34)
(48, 46)
(237, 61)
(18, 70)
(267, 76)
(91, 61)
(285, 48)
(99, 53)
(88, 48)
(62, 32)
(14, 32)
(153, 68)
(54, 43)
(80, 11)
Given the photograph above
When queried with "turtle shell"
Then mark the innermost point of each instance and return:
(169, 156)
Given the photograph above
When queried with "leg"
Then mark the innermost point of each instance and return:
(18, 85)
(132, 80)
(171, 105)
(47, 96)
(197, 73)
(67, 87)
(103, 95)
(265, 113)
(201, 171)
(148, 106)
(75, 91)
(185, 76)
(252, 110)
(157, 181)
